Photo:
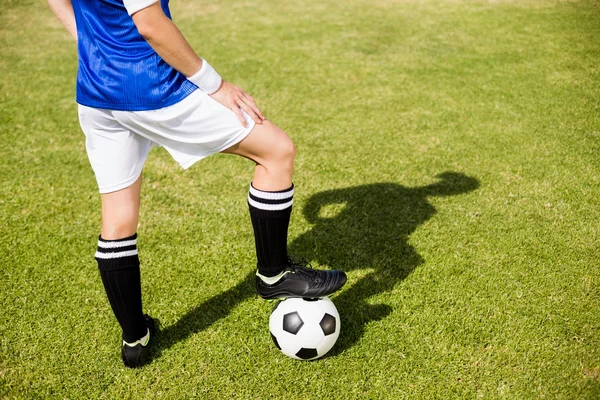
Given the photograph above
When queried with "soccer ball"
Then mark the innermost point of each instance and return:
(304, 329)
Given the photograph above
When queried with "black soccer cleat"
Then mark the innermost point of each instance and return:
(136, 356)
(300, 280)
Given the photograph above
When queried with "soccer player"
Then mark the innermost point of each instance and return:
(139, 85)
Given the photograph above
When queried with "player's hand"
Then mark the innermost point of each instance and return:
(236, 100)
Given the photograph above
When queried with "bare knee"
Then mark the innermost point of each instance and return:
(282, 148)
(273, 152)
(285, 154)
(275, 169)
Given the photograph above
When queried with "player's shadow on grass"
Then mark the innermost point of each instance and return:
(205, 314)
(367, 227)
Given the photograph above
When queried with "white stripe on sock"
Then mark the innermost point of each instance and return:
(271, 195)
(270, 207)
(117, 244)
(120, 254)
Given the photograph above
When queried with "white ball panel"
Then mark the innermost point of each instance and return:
(310, 334)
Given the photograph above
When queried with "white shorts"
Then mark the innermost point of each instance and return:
(118, 142)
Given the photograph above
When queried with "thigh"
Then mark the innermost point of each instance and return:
(117, 154)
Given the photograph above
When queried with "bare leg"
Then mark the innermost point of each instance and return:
(120, 212)
(270, 208)
(271, 195)
(273, 152)
(119, 264)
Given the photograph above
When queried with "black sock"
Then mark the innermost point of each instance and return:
(119, 267)
(270, 213)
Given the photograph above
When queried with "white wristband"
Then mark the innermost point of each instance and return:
(207, 79)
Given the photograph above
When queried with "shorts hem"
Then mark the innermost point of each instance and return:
(193, 160)
(119, 186)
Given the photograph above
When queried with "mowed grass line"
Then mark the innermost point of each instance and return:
(447, 160)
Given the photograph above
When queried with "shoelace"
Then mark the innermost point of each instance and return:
(298, 262)
(303, 267)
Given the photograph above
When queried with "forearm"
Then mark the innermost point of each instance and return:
(167, 40)
(63, 9)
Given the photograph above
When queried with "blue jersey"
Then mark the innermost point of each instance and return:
(118, 69)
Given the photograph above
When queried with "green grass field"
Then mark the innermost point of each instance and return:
(448, 160)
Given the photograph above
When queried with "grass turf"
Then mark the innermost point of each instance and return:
(448, 161)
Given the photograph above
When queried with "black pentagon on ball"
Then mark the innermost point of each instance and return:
(307, 354)
(275, 341)
(328, 324)
(292, 322)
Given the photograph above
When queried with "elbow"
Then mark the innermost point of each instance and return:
(150, 21)
(147, 30)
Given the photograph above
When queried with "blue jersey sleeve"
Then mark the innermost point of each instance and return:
(118, 69)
